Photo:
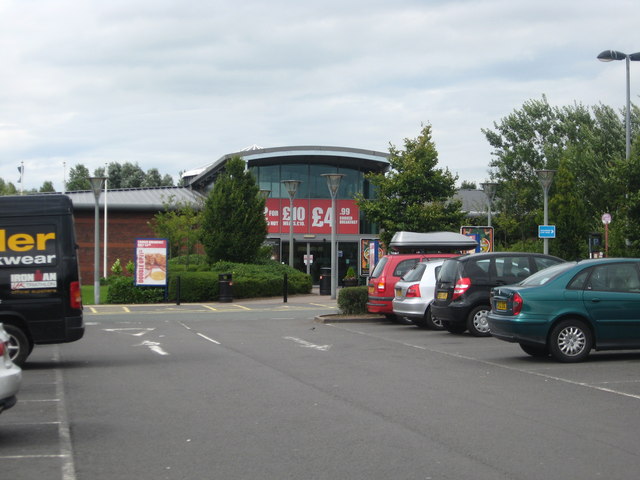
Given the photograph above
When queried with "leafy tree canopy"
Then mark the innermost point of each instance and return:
(233, 224)
(414, 195)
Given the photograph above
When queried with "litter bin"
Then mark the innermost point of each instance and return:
(224, 284)
(325, 281)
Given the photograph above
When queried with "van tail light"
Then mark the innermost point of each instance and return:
(516, 303)
(413, 291)
(75, 294)
(382, 284)
(462, 285)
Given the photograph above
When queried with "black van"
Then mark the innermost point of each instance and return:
(461, 299)
(40, 298)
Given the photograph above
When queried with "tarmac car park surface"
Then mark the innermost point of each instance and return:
(254, 390)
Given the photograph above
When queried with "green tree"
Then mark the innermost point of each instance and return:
(7, 188)
(132, 176)
(179, 223)
(467, 185)
(414, 195)
(78, 178)
(569, 213)
(538, 136)
(627, 220)
(47, 186)
(233, 224)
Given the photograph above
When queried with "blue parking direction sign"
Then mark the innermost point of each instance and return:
(546, 231)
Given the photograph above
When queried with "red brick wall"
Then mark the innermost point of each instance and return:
(122, 229)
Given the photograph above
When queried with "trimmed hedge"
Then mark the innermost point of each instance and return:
(122, 290)
(197, 285)
(353, 300)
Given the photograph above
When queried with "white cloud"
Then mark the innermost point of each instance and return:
(175, 85)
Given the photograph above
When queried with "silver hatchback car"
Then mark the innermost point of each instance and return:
(414, 294)
(10, 374)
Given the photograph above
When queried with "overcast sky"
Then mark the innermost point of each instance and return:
(177, 84)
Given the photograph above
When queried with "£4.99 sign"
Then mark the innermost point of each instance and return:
(311, 216)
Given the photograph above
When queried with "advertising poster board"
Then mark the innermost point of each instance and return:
(151, 262)
(367, 260)
(483, 235)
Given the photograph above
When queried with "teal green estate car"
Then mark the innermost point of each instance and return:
(568, 309)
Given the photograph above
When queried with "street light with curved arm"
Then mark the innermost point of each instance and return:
(609, 56)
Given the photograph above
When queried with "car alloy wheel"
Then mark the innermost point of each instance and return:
(570, 341)
(478, 324)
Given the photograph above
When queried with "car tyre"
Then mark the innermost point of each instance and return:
(535, 350)
(477, 322)
(428, 321)
(19, 345)
(570, 341)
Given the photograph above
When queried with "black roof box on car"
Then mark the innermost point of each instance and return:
(432, 241)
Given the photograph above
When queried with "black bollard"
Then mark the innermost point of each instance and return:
(285, 288)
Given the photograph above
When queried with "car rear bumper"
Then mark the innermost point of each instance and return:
(451, 314)
(10, 380)
(380, 305)
(532, 333)
(409, 308)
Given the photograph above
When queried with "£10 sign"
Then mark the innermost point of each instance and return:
(312, 216)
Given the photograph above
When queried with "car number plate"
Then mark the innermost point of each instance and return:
(370, 290)
(442, 295)
(501, 305)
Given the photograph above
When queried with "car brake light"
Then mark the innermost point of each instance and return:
(413, 291)
(75, 295)
(382, 284)
(461, 286)
(2, 348)
(517, 303)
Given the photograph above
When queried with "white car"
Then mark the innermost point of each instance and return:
(10, 374)
(414, 294)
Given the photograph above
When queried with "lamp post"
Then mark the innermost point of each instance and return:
(292, 188)
(333, 182)
(96, 186)
(489, 189)
(546, 178)
(608, 56)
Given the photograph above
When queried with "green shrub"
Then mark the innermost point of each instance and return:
(353, 300)
(122, 290)
(248, 281)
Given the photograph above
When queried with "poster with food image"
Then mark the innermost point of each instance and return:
(151, 262)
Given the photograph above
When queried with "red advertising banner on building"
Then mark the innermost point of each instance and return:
(312, 216)
(151, 262)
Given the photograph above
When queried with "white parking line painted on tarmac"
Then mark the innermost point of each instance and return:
(494, 364)
(304, 343)
(133, 331)
(209, 339)
(64, 432)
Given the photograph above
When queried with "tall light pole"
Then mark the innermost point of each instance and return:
(608, 56)
(292, 188)
(333, 182)
(96, 186)
(546, 178)
(489, 189)
(106, 187)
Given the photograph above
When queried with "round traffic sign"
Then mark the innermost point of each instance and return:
(606, 218)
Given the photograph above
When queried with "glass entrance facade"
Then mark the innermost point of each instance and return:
(310, 212)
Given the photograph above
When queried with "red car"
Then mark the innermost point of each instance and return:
(391, 267)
